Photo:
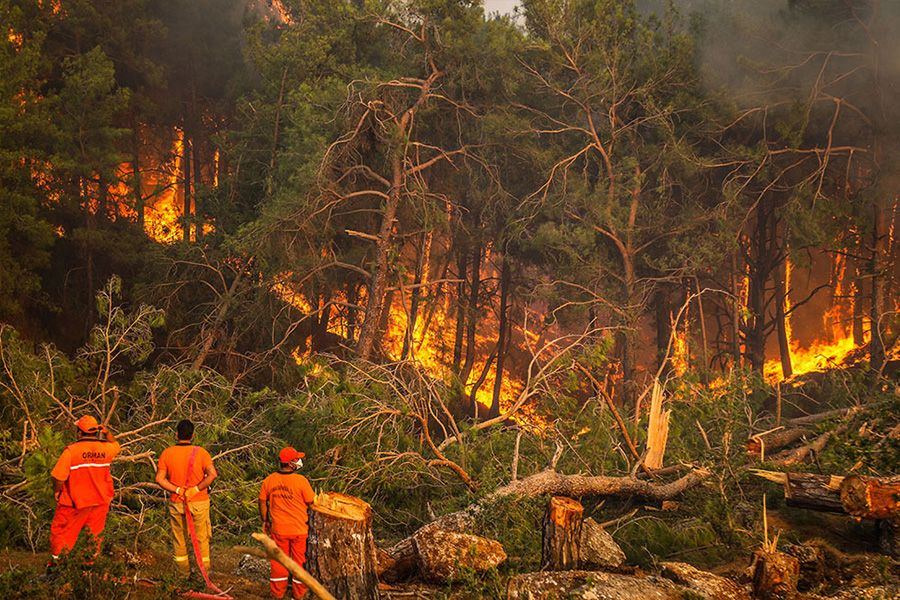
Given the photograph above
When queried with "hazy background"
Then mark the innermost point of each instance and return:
(501, 6)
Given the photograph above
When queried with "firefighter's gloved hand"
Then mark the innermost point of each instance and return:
(191, 492)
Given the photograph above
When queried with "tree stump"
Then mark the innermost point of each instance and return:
(340, 550)
(562, 534)
(775, 575)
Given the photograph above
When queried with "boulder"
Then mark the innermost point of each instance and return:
(442, 555)
(598, 548)
(592, 585)
(703, 583)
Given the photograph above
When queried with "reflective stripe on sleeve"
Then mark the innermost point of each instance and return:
(180, 558)
(97, 465)
(278, 578)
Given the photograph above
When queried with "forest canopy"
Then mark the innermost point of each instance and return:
(417, 239)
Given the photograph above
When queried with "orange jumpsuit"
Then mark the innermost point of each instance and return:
(287, 495)
(84, 500)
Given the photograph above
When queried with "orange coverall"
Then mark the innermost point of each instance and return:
(287, 496)
(84, 499)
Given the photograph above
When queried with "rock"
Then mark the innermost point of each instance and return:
(598, 548)
(441, 555)
(592, 585)
(252, 567)
(703, 583)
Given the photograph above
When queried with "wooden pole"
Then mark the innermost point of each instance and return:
(273, 552)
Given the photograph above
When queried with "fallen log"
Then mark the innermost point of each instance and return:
(561, 540)
(808, 490)
(400, 559)
(592, 584)
(796, 455)
(765, 443)
(341, 549)
(273, 552)
(869, 498)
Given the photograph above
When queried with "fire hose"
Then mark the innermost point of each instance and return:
(192, 531)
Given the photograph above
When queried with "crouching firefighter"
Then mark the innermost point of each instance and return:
(187, 471)
(283, 500)
(83, 486)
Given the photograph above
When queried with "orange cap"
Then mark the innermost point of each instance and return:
(88, 424)
(288, 455)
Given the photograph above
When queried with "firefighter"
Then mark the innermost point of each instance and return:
(187, 471)
(83, 486)
(283, 499)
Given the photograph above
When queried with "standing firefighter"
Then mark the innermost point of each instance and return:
(187, 471)
(283, 499)
(83, 486)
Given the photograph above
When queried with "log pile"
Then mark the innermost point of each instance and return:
(860, 497)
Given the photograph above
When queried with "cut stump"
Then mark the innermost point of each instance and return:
(341, 549)
(562, 534)
(775, 575)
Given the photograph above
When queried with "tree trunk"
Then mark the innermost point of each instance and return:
(461, 269)
(775, 440)
(422, 257)
(186, 184)
(136, 184)
(775, 575)
(859, 336)
(876, 343)
(379, 278)
(560, 548)
(197, 172)
(472, 312)
(502, 336)
(663, 330)
(781, 303)
(735, 315)
(341, 550)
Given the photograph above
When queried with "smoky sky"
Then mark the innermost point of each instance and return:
(500, 6)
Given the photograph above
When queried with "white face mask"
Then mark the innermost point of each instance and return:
(297, 463)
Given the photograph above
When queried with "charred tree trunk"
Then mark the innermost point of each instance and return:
(197, 172)
(735, 314)
(472, 312)
(663, 330)
(876, 344)
(859, 336)
(422, 257)
(775, 440)
(136, 183)
(341, 549)
(560, 548)
(186, 184)
(461, 270)
(502, 336)
(781, 302)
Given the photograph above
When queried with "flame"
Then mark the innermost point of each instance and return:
(680, 359)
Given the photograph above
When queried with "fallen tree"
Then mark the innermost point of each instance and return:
(399, 560)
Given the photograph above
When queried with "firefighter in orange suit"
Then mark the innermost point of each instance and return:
(283, 499)
(187, 471)
(83, 486)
